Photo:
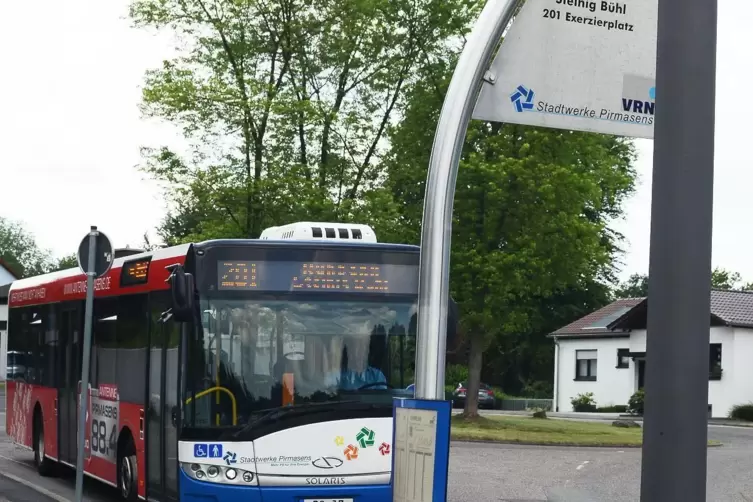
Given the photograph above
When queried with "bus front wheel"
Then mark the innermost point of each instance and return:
(128, 472)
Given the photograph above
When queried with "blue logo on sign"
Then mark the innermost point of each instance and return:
(215, 451)
(522, 99)
(652, 93)
(200, 451)
(229, 458)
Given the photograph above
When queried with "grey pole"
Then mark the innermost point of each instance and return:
(84, 400)
(436, 228)
(677, 369)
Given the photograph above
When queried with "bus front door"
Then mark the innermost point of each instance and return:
(161, 426)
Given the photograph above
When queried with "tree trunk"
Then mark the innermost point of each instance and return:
(474, 376)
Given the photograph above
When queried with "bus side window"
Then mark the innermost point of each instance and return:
(104, 360)
(132, 340)
(19, 362)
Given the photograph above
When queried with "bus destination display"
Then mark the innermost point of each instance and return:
(135, 272)
(279, 276)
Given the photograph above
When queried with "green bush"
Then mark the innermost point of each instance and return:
(449, 390)
(583, 402)
(538, 389)
(454, 374)
(635, 404)
(619, 408)
(499, 394)
(742, 412)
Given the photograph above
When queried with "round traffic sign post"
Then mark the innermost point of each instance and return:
(103, 254)
(95, 257)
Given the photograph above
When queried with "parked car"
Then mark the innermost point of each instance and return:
(485, 396)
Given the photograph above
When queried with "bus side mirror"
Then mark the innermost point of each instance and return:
(182, 289)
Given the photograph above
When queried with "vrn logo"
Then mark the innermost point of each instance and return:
(522, 99)
(638, 106)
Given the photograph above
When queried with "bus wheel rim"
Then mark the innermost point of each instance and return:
(126, 477)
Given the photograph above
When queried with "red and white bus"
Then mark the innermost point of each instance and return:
(224, 370)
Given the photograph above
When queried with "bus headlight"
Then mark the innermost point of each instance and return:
(219, 474)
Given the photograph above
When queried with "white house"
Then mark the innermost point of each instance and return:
(605, 353)
(6, 277)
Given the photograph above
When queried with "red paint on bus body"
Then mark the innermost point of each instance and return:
(22, 397)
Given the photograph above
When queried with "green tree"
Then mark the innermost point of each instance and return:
(725, 279)
(530, 218)
(285, 103)
(637, 285)
(19, 249)
(521, 361)
(66, 262)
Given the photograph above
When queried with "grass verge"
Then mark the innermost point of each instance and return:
(524, 430)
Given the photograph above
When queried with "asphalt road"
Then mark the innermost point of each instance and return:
(10, 491)
(505, 473)
(486, 472)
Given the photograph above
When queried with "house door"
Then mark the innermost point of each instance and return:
(641, 373)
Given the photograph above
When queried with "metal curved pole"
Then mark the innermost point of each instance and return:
(436, 228)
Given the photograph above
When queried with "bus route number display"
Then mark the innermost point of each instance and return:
(284, 276)
(103, 418)
(135, 272)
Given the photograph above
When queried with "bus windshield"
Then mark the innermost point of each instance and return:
(251, 355)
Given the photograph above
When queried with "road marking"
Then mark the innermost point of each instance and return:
(581, 466)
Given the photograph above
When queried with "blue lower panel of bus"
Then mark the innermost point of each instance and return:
(199, 491)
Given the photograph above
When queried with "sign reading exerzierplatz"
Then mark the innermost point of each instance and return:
(586, 65)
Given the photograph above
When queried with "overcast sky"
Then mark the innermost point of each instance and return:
(70, 130)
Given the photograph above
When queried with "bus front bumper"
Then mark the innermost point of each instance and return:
(192, 490)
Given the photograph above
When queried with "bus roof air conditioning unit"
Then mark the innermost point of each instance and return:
(321, 231)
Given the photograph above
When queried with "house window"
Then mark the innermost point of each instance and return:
(715, 361)
(585, 365)
(623, 358)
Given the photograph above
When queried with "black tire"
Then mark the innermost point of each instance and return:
(128, 473)
(45, 466)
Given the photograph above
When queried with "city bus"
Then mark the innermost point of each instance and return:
(226, 370)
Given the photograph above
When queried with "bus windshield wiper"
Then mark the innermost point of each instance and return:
(274, 414)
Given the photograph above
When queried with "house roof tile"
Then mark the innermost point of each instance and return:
(733, 308)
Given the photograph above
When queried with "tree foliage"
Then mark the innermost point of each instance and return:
(637, 284)
(530, 222)
(299, 110)
(19, 249)
(285, 104)
(635, 287)
(66, 262)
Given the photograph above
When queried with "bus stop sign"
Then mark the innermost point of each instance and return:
(103, 255)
